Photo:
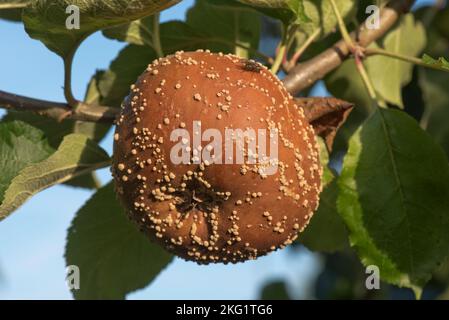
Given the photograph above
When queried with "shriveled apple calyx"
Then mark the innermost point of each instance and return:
(325, 115)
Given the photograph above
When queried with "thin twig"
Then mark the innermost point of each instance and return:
(357, 52)
(157, 36)
(341, 25)
(68, 61)
(365, 78)
(394, 55)
(282, 49)
(294, 59)
(56, 110)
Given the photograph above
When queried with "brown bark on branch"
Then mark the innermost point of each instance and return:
(300, 77)
(57, 110)
(305, 74)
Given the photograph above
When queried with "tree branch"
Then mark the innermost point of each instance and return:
(305, 74)
(300, 77)
(56, 110)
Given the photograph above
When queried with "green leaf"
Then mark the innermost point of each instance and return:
(45, 20)
(288, 11)
(326, 231)
(328, 174)
(437, 30)
(138, 32)
(92, 130)
(345, 83)
(275, 290)
(322, 16)
(435, 90)
(440, 21)
(114, 258)
(12, 9)
(232, 29)
(389, 75)
(20, 145)
(55, 131)
(276, 4)
(175, 35)
(213, 25)
(131, 62)
(440, 63)
(434, 84)
(76, 155)
(394, 198)
(297, 7)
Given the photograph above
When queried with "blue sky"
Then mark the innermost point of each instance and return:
(32, 240)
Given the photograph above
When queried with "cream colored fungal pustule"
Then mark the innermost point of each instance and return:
(213, 212)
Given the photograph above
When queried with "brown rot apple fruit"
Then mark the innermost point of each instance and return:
(214, 160)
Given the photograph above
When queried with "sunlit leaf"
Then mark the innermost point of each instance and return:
(322, 16)
(394, 198)
(55, 131)
(20, 145)
(390, 75)
(75, 156)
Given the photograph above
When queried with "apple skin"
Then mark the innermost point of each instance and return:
(211, 212)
